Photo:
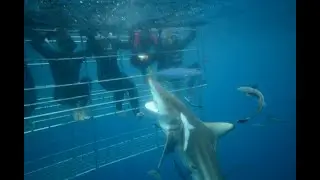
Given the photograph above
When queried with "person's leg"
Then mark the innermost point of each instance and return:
(84, 91)
(118, 97)
(133, 95)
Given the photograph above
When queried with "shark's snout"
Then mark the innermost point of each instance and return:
(227, 125)
(152, 84)
(157, 94)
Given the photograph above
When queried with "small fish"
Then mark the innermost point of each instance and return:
(250, 91)
(242, 121)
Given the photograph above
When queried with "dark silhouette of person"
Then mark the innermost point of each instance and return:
(169, 50)
(65, 71)
(108, 70)
(147, 48)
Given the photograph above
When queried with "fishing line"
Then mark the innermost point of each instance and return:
(192, 104)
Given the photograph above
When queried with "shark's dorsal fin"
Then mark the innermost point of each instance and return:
(168, 148)
(219, 128)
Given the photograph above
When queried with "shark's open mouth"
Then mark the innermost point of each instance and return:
(151, 106)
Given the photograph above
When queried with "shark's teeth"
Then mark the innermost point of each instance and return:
(151, 106)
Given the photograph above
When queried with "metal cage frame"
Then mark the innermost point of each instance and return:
(79, 160)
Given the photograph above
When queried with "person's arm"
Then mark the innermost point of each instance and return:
(91, 44)
(185, 42)
(37, 43)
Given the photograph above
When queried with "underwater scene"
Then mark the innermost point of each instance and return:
(160, 89)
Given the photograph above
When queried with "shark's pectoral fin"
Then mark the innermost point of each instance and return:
(187, 128)
(168, 148)
(219, 128)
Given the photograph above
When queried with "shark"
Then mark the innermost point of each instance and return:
(194, 140)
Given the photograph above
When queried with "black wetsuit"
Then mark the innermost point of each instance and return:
(30, 96)
(170, 55)
(64, 71)
(166, 55)
(108, 69)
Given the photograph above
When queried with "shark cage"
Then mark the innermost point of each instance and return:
(56, 146)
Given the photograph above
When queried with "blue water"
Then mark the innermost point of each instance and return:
(256, 47)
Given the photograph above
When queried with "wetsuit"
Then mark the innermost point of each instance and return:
(170, 55)
(142, 43)
(63, 71)
(108, 69)
(30, 96)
